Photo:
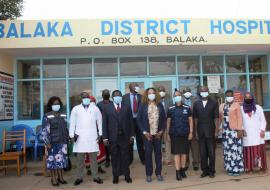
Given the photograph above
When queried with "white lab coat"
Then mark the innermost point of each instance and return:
(253, 126)
(85, 123)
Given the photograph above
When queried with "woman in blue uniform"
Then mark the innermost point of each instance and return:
(55, 135)
(180, 127)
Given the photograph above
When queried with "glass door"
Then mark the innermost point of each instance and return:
(169, 83)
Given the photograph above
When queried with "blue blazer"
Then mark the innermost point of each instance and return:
(143, 121)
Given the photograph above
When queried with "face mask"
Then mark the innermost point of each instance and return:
(86, 101)
(151, 97)
(117, 99)
(162, 94)
(187, 95)
(248, 101)
(204, 94)
(137, 89)
(106, 96)
(56, 108)
(229, 99)
(177, 99)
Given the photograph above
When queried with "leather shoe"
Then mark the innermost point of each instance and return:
(128, 179)
(211, 175)
(78, 182)
(98, 180)
(195, 168)
(115, 180)
(204, 175)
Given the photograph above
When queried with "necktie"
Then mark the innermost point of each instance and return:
(135, 105)
(118, 109)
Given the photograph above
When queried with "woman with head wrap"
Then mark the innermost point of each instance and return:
(254, 125)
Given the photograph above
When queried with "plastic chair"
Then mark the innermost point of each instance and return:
(39, 142)
(30, 136)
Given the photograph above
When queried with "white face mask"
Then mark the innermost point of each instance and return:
(162, 94)
(151, 97)
(137, 89)
(204, 94)
(187, 95)
(229, 99)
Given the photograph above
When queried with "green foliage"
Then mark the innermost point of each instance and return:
(10, 9)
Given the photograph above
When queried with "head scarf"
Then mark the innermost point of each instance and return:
(249, 107)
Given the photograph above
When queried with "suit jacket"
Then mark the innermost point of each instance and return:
(126, 100)
(143, 121)
(168, 103)
(235, 116)
(112, 121)
(206, 117)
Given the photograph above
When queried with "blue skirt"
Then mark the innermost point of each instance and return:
(57, 157)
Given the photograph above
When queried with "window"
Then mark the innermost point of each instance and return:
(188, 65)
(237, 82)
(75, 89)
(133, 66)
(105, 67)
(28, 100)
(54, 68)
(236, 64)
(259, 87)
(192, 82)
(80, 67)
(257, 63)
(28, 69)
(54, 88)
(162, 65)
(212, 64)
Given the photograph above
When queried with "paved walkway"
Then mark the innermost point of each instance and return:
(193, 182)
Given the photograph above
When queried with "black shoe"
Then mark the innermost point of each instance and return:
(54, 184)
(98, 180)
(211, 175)
(100, 170)
(178, 175)
(182, 172)
(128, 179)
(62, 181)
(204, 175)
(78, 182)
(115, 180)
(107, 164)
(89, 172)
(185, 169)
(195, 168)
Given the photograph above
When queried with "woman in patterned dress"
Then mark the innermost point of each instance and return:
(232, 130)
(55, 135)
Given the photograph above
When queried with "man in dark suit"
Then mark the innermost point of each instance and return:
(205, 112)
(118, 134)
(101, 105)
(133, 99)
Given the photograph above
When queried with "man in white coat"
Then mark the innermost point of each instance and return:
(85, 131)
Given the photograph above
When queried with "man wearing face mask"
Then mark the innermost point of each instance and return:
(205, 114)
(166, 102)
(118, 135)
(133, 99)
(101, 105)
(85, 132)
(189, 99)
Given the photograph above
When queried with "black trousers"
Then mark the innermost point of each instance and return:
(120, 157)
(139, 143)
(207, 153)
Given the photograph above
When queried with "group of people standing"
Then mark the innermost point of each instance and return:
(187, 122)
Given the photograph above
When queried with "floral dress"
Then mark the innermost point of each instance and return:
(232, 147)
(57, 155)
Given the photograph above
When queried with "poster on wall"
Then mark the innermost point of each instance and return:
(213, 83)
(6, 96)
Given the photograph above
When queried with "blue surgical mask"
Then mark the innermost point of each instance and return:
(151, 97)
(117, 99)
(177, 99)
(86, 101)
(56, 108)
(204, 94)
